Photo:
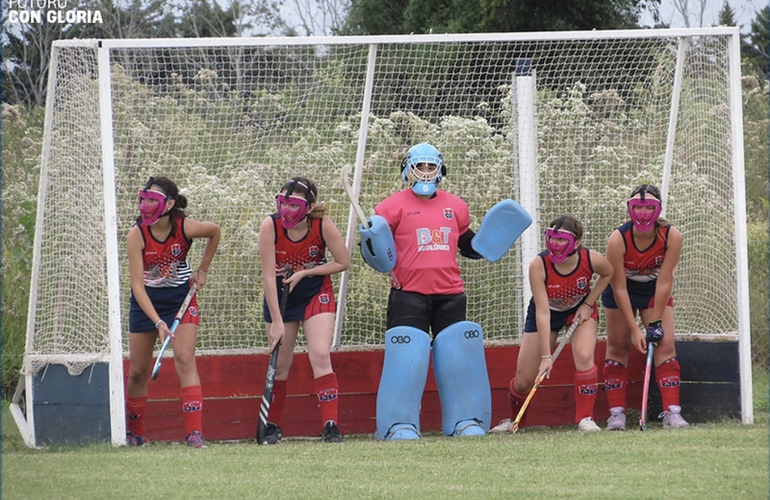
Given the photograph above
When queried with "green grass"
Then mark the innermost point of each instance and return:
(724, 460)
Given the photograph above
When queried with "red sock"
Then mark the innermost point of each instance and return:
(135, 409)
(276, 405)
(192, 407)
(516, 401)
(668, 377)
(586, 387)
(615, 378)
(327, 388)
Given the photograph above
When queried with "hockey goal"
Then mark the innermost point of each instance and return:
(565, 123)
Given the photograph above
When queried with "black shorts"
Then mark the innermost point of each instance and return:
(166, 302)
(429, 313)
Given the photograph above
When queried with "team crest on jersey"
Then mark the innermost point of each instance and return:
(659, 260)
(449, 214)
(176, 249)
(313, 251)
(582, 283)
(324, 298)
(193, 311)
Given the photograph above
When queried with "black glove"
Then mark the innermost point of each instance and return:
(654, 332)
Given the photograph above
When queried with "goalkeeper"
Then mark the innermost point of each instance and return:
(161, 277)
(644, 253)
(427, 296)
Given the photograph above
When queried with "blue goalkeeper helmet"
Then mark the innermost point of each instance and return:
(420, 180)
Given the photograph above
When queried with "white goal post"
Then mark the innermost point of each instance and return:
(587, 116)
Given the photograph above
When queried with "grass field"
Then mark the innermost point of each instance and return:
(720, 461)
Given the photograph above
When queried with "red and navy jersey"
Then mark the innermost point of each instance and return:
(308, 252)
(567, 291)
(313, 294)
(165, 262)
(643, 265)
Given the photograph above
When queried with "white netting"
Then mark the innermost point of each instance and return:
(231, 124)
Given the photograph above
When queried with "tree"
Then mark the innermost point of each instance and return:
(375, 17)
(758, 52)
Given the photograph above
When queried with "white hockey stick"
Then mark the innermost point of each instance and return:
(344, 176)
(177, 320)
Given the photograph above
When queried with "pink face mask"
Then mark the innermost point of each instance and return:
(152, 206)
(644, 213)
(560, 244)
(291, 209)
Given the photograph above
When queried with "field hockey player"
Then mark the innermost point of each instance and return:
(296, 237)
(161, 278)
(560, 278)
(644, 252)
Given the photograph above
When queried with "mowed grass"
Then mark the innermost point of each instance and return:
(725, 460)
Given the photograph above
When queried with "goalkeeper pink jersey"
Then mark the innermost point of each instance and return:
(426, 234)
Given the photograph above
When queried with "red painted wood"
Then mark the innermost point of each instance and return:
(232, 388)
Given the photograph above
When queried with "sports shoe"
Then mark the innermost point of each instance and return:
(195, 440)
(504, 426)
(134, 440)
(273, 434)
(672, 419)
(587, 425)
(330, 433)
(617, 420)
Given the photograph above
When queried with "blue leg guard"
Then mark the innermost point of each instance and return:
(460, 368)
(404, 373)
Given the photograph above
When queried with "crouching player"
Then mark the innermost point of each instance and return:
(561, 294)
(415, 236)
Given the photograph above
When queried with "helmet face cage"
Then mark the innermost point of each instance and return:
(559, 250)
(423, 182)
(292, 209)
(644, 212)
(152, 204)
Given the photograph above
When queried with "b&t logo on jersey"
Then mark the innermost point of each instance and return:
(582, 283)
(313, 251)
(176, 250)
(449, 214)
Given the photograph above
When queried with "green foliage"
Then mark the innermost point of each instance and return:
(22, 142)
(760, 42)
(759, 294)
(372, 17)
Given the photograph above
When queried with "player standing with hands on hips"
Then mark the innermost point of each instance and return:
(560, 279)
(644, 253)
(295, 239)
(161, 277)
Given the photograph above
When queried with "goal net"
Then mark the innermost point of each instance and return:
(230, 120)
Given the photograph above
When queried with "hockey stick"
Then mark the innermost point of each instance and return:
(177, 320)
(541, 377)
(349, 190)
(267, 394)
(646, 389)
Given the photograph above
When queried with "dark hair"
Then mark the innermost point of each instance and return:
(646, 189)
(307, 188)
(568, 223)
(172, 193)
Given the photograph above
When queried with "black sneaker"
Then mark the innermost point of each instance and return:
(273, 434)
(330, 433)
